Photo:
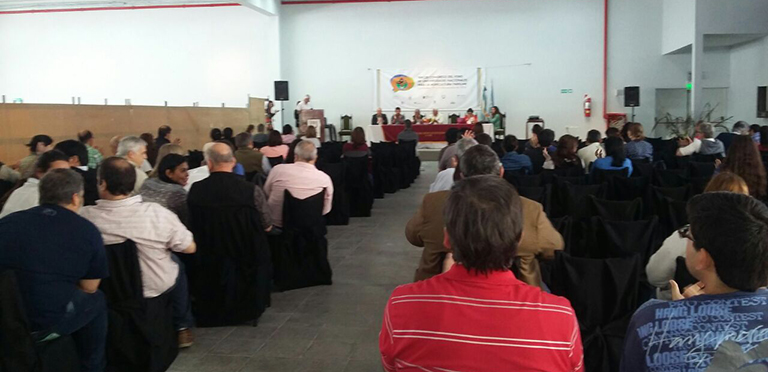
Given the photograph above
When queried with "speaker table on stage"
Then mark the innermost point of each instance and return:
(314, 118)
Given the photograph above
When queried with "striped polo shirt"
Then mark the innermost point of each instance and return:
(463, 321)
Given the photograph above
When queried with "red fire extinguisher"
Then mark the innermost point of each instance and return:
(587, 106)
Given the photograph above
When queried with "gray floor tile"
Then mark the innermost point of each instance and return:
(238, 347)
(329, 350)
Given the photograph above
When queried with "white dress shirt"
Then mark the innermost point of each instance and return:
(443, 181)
(23, 198)
(304, 106)
(587, 155)
(198, 174)
(155, 230)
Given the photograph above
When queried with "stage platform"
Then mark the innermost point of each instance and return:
(429, 154)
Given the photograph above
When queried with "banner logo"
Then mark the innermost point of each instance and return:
(401, 82)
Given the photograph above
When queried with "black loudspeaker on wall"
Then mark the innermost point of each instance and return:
(631, 96)
(281, 90)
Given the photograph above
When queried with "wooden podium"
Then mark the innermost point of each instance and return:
(315, 118)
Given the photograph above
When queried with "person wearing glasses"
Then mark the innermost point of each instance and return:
(718, 323)
(661, 267)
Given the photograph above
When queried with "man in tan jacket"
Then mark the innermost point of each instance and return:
(425, 229)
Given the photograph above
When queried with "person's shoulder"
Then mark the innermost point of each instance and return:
(531, 206)
(437, 196)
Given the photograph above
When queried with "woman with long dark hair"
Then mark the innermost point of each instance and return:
(275, 147)
(357, 145)
(744, 160)
(495, 117)
(565, 156)
(616, 157)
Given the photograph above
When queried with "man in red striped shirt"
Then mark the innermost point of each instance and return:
(477, 316)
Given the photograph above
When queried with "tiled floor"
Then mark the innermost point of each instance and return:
(330, 328)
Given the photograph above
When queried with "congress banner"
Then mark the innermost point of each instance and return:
(427, 88)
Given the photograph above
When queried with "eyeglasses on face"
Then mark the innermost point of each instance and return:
(685, 233)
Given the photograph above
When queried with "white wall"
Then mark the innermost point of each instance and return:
(207, 55)
(332, 51)
(748, 70)
(679, 21)
(635, 34)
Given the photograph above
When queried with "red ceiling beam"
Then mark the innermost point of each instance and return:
(117, 8)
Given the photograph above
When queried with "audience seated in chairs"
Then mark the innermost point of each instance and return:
(59, 260)
(543, 141)
(28, 196)
(615, 158)
(740, 128)
(707, 145)
(661, 267)
(425, 229)
(301, 178)
(275, 147)
(444, 179)
(253, 161)
(288, 135)
(157, 233)
(167, 189)
(591, 151)
(447, 153)
(727, 248)
(744, 160)
(483, 228)
(78, 161)
(638, 148)
(564, 158)
(512, 161)
(231, 271)
(261, 137)
(408, 134)
(134, 149)
(357, 146)
(94, 154)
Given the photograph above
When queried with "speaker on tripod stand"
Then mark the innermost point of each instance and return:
(281, 94)
(632, 98)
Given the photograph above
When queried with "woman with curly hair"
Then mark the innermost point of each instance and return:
(744, 160)
(565, 157)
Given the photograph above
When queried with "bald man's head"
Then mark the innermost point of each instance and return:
(220, 157)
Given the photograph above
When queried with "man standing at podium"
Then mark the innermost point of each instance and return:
(304, 104)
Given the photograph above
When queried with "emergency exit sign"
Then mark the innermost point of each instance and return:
(564, 91)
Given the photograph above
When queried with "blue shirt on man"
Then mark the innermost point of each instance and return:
(687, 335)
(606, 163)
(512, 161)
(51, 249)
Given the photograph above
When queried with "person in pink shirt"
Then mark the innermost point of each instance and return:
(275, 147)
(301, 178)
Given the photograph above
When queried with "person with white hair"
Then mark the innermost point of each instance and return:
(200, 173)
(304, 104)
(302, 179)
(436, 117)
(134, 149)
(444, 179)
(708, 145)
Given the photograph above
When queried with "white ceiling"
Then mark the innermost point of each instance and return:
(21, 5)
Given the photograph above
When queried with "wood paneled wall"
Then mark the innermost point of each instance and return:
(20, 122)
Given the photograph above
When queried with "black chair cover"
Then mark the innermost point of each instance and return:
(18, 350)
(141, 334)
(358, 187)
(599, 176)
(683, 277)
(627, 189)
(386, 172)
(699, 184)
(230, 274)
(563, 225)
(559, 191)
(616, 210)
(277, 160)
(519, 180)
(576, 199)
(301, 257)
(701, 158)
(411, 163)
(670, 177)
(339, 214)
(378, 171)
(641, 168)
(681, 193)
(537, 194)
(603, 292)
(701, 169)
(623, 238)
